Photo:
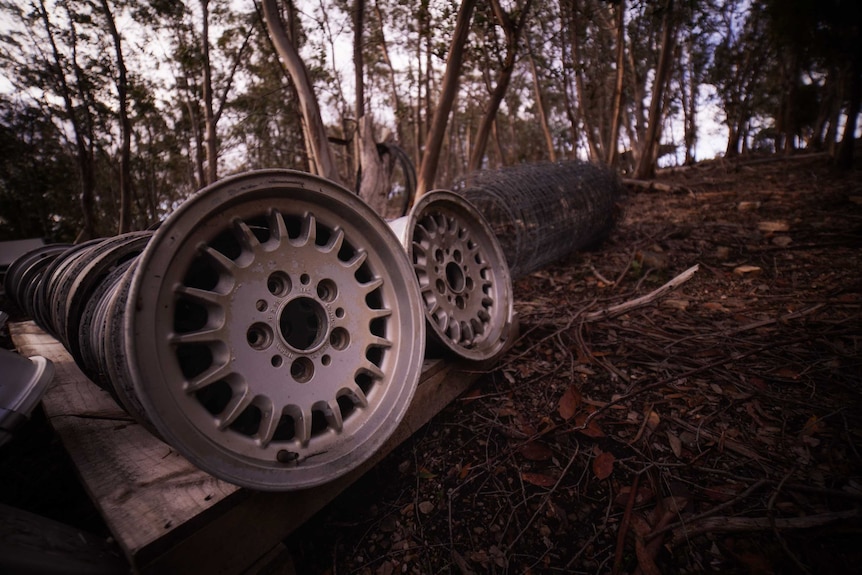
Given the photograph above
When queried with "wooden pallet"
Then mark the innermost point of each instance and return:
(169, 516)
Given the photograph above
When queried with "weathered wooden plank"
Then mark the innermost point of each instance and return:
(169, 516)
(146, 492)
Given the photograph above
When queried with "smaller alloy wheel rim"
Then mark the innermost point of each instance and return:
(273, 332)
(462, 275)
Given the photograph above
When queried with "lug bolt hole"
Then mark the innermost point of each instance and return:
(259, 336)
(302, 369)
(339, 338)
(459, 302)
(325, 360)
(304, 279)
(278, 284)
(327, 290)
(276, 361)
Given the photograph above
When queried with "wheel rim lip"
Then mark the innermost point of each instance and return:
(501, 322)
(395, 393)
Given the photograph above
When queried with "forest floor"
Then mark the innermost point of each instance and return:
(716, 429)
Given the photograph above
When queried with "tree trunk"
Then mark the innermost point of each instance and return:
(83, 149)
(848, 141)
(540, 106)
(585, 113)
(649, 147)
(374, 185)
(400, 118)
(512, 31)
(316, 132)
(617, 108)
(434, 140)
(359, 81)
(125, 223)
(209, 113)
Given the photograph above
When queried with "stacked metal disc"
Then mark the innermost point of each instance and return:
(270, 330)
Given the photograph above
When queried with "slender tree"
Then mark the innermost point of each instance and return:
(434, 141)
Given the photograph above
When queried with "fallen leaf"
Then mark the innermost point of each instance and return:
(675, 444)
(426, 507)
(813, 425)
(569, 402)
(538, 479)
(465, 470)
(536, 451)
(771, 227)
(603, 465)
(425, 474)
(592, 429)
(787, 373)
(747, 206)
(747, 270)
(678, 304)
(782, 241)
(653, 420)
(715, 306)
(505, 411)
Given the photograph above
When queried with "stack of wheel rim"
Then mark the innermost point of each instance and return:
(273, 328)
(270, 330)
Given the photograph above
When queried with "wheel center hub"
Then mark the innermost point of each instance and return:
(303, 324)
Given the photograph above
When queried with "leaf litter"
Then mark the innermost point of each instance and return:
(713, 429)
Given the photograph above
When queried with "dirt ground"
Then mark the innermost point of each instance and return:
(715, 428)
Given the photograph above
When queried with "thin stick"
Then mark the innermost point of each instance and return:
(741, 497)
(625, 307)
(624, 527)
(731, 524)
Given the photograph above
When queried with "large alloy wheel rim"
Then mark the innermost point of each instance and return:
(462, 274)
(273, 331)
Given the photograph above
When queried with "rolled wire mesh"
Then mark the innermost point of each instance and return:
(543, 212)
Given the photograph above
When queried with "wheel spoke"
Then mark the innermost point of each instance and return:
(245, 236)
(214, 373)
(200, 295)
(221, 261)
(199, 336)
(268, 424)
(238, 403)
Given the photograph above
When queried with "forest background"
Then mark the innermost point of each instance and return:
(114, 111)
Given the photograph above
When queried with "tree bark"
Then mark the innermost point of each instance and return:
(125, 223)
(616, 111)
(359, 81)
(83, 148)
(315, 130)
(848, 141)
(512, 30)
(649, 147)
(400, 118)
(540, 106)
(585, 114)
(374, 184)
(209, 113)
(434, 140)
